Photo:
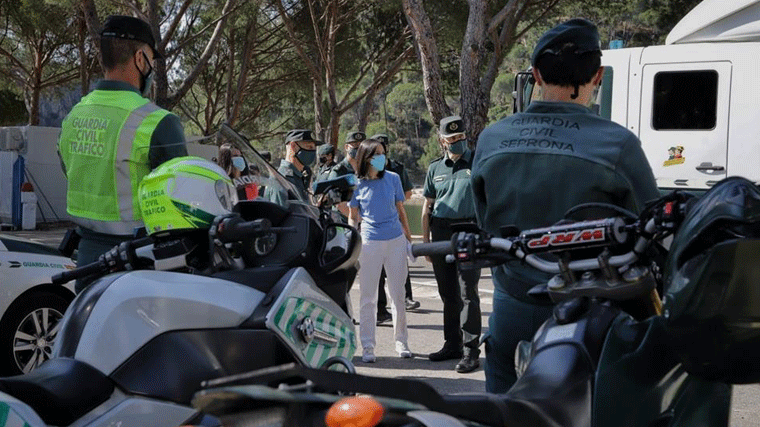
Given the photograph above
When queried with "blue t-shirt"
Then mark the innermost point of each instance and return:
(376, 200)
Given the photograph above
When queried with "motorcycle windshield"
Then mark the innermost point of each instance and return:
(258, 178)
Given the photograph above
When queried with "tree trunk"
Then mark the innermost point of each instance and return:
(470, 68)
(93, 26)
(319, 118)
(367, 106)
(36, 85)
(245, 63)
(84, 72)
(427, 50)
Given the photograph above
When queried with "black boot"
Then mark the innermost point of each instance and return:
(469, 361)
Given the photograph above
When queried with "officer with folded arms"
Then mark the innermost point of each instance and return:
(114, 137)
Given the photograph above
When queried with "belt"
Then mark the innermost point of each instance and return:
(447, 222)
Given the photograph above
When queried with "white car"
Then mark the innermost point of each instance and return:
(30, 306)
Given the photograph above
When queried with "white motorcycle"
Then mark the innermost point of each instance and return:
(261, 286)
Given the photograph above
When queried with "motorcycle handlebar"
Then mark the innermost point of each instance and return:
(443, 247)
(96, 267)
(122, 256)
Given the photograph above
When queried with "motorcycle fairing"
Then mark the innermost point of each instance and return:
(159, 369)
(310, 323)
(140, 305)
(639, 381)
(556, 387)
(15, 413)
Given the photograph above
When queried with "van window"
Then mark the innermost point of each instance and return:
(685, 100)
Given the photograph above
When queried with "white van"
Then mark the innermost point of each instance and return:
(694, 102)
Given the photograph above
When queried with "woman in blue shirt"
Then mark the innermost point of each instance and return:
(378, 203)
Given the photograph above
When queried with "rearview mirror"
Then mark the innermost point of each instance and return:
(341, 248)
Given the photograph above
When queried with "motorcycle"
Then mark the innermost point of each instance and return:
(264, 285)
(614, 353)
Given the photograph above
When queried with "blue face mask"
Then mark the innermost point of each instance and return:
(239, 163)
(378, 162)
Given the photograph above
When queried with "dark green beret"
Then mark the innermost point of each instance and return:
(301, 135)
(451, 126)
(578, 31)
(355, 136)
(326, 149)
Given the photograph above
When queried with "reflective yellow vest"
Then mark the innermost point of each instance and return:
(104, 146)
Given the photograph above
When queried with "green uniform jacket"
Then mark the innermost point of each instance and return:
(530, 168)
(450, 185)
(342, 168)
(398, 169)
(324, 172)
(109, 141)
(300, 179)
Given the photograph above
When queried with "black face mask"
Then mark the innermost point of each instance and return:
(146, 80)
(323, 160)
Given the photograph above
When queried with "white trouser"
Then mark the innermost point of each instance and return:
(376, 254)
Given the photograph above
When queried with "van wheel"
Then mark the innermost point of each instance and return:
(28, 330)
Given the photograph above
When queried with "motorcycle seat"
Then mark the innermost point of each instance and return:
(61, 390)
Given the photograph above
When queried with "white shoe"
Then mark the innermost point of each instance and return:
(368, 355)
(403, 350)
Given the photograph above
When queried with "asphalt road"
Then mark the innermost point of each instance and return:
(426, 336)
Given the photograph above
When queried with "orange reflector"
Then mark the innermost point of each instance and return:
(355, 411)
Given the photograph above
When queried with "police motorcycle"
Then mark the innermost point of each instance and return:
(613, 354)
(215, 289)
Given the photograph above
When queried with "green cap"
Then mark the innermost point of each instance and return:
(383, 138)
(129, 28)
(301, 135)
(450, 126)
(578, 31)
(326, 149)
(355, 136)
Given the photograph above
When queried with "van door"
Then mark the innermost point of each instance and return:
(683, 124)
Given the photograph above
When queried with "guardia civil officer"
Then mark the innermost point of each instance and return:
(523, 179)
(300, 155)
(326, 162)
(114, 137)
(348, 165)
(448, 200)
(383, 315)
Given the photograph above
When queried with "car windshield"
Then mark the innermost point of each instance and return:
(258, 174)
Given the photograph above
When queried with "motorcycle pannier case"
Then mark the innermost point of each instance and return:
(712, 285)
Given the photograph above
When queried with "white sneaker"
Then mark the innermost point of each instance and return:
(368, 355)
(403, 350)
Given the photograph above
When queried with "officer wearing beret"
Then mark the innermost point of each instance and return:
(114, 137)
(530, 168)
(383, 315)
(326, 154)
(448, 201)
(300, 155)
(348, 164)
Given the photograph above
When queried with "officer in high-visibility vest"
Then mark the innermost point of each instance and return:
(114, 137)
